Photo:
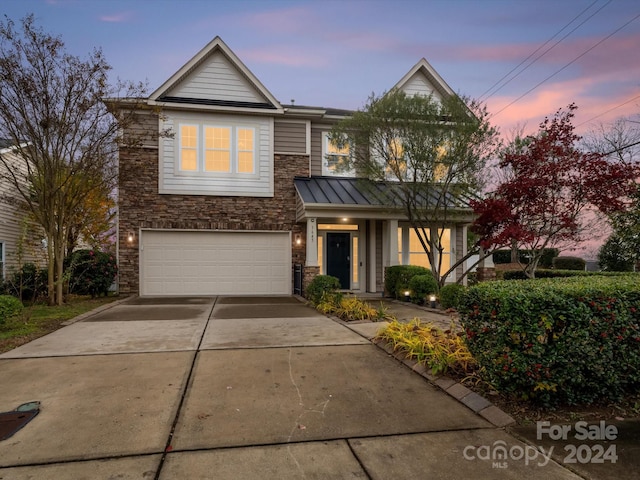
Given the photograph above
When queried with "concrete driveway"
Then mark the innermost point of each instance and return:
(233, 388)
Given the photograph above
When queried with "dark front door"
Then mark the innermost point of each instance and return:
(338, 257)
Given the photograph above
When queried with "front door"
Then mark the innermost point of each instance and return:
(338, 257)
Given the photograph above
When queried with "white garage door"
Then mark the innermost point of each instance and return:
(214, 263)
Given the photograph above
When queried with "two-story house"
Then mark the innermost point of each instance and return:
(239, 188)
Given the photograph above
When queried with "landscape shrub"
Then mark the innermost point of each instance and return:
(322, 286)
(569, 263)
(557, 341)
(450, 295)
(441, 351)
(546, 273)
(397, 278)
(9, 306)
(546, 260)
(91, 272)
(28, 284)
(420, 286)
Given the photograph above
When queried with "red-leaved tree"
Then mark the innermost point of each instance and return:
(552, 185)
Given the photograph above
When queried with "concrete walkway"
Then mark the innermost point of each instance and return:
(237, 388)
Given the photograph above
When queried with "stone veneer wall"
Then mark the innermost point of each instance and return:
(140, 206)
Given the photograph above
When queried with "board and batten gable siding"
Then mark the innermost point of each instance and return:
(291, 137)
(217, 78)
(418, 84)
(259, 184)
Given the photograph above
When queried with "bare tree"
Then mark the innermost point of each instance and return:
(52, 112)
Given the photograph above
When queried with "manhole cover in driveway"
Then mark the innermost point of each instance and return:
(11, 422)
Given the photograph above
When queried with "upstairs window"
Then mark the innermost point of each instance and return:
(335, 158)
(217, 149)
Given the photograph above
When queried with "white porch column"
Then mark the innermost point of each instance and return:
(392, 242)
(464, 252)
(312, 242)
(371, 268)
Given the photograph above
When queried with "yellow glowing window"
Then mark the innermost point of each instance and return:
(245, 150)
(354, 256)
(217, 149)
(189, 147)
(320, 253)
(336, 226)
(335, 158)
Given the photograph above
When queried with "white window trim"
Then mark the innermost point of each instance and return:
(326, 171)
(200, 153)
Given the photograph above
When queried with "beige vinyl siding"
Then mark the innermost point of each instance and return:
(259, 184)
(13, 226)
(316, 150)
(217, 78)
(290, 137)
(144, 131)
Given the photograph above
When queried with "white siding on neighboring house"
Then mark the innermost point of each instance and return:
(217, 79)
(13, 226)
(257, 184)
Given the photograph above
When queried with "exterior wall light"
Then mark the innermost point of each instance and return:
(298, 239)
(131, 237)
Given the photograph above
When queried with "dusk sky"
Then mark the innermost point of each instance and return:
(335, 53)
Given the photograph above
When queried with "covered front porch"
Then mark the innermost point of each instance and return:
(353, 233)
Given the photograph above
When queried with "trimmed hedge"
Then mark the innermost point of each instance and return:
(420, 286)
(9, 306)
(557, 341)
(569, 263)
(397, 278)
(450, 295)
(321, 287)
(546, 260)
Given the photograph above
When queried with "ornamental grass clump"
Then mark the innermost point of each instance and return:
(441, 351)
(556, 341)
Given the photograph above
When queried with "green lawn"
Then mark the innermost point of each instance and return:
(39, 319)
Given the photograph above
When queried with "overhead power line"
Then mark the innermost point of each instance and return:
(565, 66)
(540, 48)
(610, 110)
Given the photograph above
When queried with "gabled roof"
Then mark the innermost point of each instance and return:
(216, 79)
(424, 79)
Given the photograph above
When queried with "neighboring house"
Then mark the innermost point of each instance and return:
(20, 241)
(242, 188)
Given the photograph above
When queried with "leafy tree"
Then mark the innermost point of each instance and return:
(53, 112)
(428, 154)
(553, 186)
(615, 256)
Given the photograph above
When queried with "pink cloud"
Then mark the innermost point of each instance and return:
(117, 17)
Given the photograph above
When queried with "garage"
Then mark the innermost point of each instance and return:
(214, 263)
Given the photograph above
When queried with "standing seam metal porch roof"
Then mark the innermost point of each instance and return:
(361, 192)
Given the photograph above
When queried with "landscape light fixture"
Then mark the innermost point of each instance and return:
(432, 301)
(407, 295)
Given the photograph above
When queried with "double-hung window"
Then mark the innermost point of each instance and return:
(335, 158)
(217, 149)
